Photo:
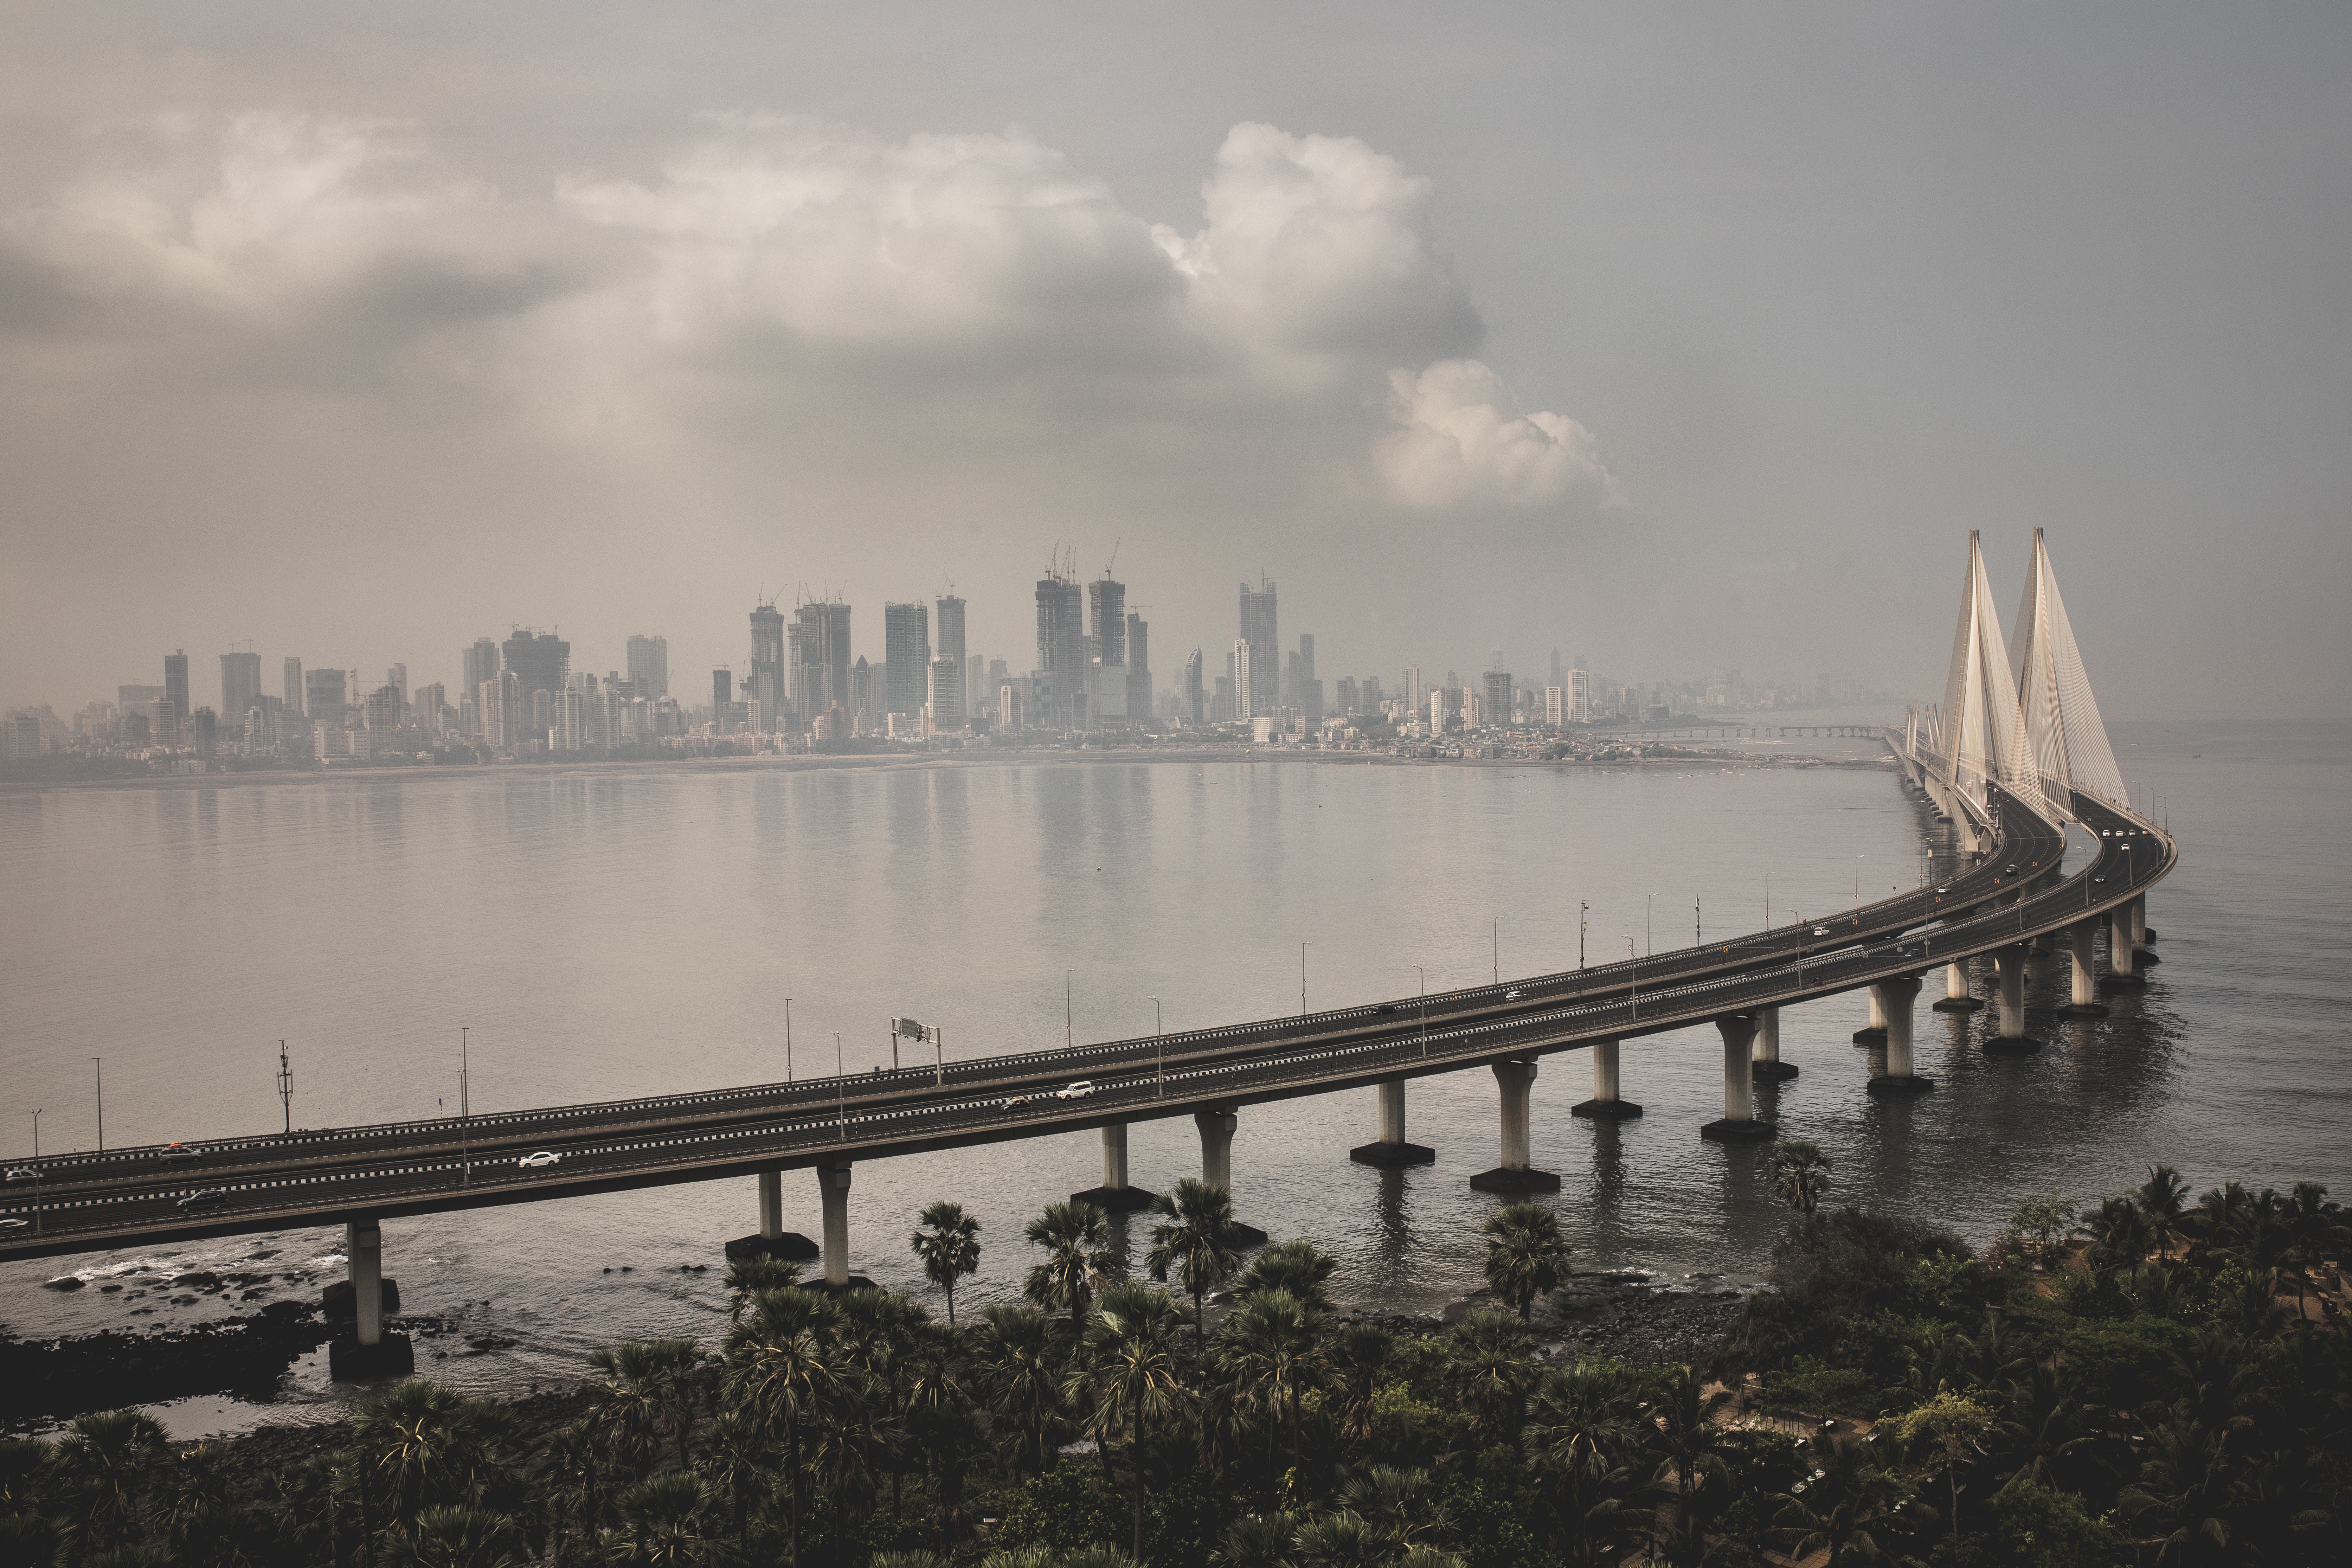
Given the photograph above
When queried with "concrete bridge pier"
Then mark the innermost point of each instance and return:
(1899, 1080)
(2123, 957)
(1391, 1150)
(2086, 1003)
(1765, 1065)
(1875, 1032)
(1217, 1161)
(2143, 940)
(1114, 1196)
(833, 1188)
(2009, 962)
(1956, 998)
(1516, 1080)
(368, 1352)
(1738, 1124)
(1606, 1104)
(771, 1240)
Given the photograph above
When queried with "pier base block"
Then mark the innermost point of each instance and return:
(348, 1360)
(2081, 1010)
(1870, 1036)
(337, 1300)
(1115, 1200)
(1605, 1110)
(1959, 1005)
(1892, 1088)
(1772, 1072)
(1723, 1129)
(2001, 1045)
(2123, 982)
(1502, 1180)
(791, 1247)
(1393, 1156)
(2148, 957)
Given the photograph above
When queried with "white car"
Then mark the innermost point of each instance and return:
(12, 1225)
(539, 1162)
(23, 1173)
(1821, 931)
(1078, 1090)
(1510, 996)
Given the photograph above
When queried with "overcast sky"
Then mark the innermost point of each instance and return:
(1677, 336)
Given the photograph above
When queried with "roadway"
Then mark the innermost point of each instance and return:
(132, 1196)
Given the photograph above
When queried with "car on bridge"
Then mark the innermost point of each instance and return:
(9, 1224)
(539, 1162)
(1082, 1089)
(22, 1174)
(1018, 1100)
(204, 1198)
(177, 1152)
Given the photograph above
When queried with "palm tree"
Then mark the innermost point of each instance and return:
(1800, 1175)
(746, 1278)
(1833, 1509)
(2163, 1198)
(1339, 1541)
(1131, 1374)
(733, 1464)
(1263, 1541)
(1491, 1371)
(781, 1368)
(2120, 1236)
(1358, 1359)
(424, 1445)
(1297, 1267)
(625, 1403)
(1582, 1421)
(664, 1528)
(459, 1538)
(1015, 1359)
(949, 1244)
(1524, 1255)
(1269, 1346)
(1398, 1504)
(1199, 1240)
(1685, 1442)
(1077, 1239)
(106, 1462)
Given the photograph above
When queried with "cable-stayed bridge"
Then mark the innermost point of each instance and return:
(2014, 755)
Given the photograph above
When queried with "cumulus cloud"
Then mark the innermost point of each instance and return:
(1460, 440)
(266, 217)
(777, 261)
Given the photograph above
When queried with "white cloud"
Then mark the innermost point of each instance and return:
(1461, 440)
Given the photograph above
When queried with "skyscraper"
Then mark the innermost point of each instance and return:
(948, 707)
(906, 648)
(1195, 709)
(1107, 695)
(175, 683)
(820, 657)
(1310, 689)
(649, 666)
(480, 662)
(1245, 699)
(1497, 709)
(1414, 701)
(1260, 632)
(540, 661)
(1139, 669)
(770, 687)
(322, 697)
(1579, 697)
(294, 687)
(949, 632)
(240, 686)
(1061, 650)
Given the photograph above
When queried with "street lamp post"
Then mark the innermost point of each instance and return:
(1499, 950)
(788, 1039)
(1857, 881)
(1800, 947)
(841, 1094)
(1649, 923)
(102, 1102)
(1634, 991)
(1582, 908)
(465, 1109)
(286, 1086)
(1068, 1038)
(37, 1154)
(1159, 1051)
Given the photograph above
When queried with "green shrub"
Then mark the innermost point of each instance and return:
(1812, 1387)
(2040, 1527)
(2123, 1364)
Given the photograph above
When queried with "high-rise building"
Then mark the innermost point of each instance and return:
(768, 686)
(1138, 668)
(567, 721)
(240, 685)
(976, 688)
(1579, 696)
(649, 666)
(542, 661)
(498, 705)
(906, 647)
(398, 678)
(1310, 688)
(380, 711)
(1416, 699)
(1193, 708)
(1062, 658)
(480, 663)
(293, 695)
(430, 701)
(1556, 680)
(948, 707)
(175, 683)
(820, 657)
(1554, 706)
(1247, 705)
(1261, 635)
(324, 697)
(946, 633)
(1497, 706)
(864, 700)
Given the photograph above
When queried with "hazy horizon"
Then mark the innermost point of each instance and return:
(1676, 337)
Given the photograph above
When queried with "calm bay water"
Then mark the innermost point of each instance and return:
(609, 933)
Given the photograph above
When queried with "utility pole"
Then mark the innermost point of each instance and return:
(464, 1108)
(286, 1086)
(788, 1039)
(1068, 1037)
(1582, 908)
(1698, 938)
(841, 1094)
(102, 1102)
(1499, 950)
(1633, 991)
(1159, 1051)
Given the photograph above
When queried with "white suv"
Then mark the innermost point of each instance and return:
(1078, 1090)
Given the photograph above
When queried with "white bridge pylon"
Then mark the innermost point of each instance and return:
(2063, 731)
(1982, 738)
